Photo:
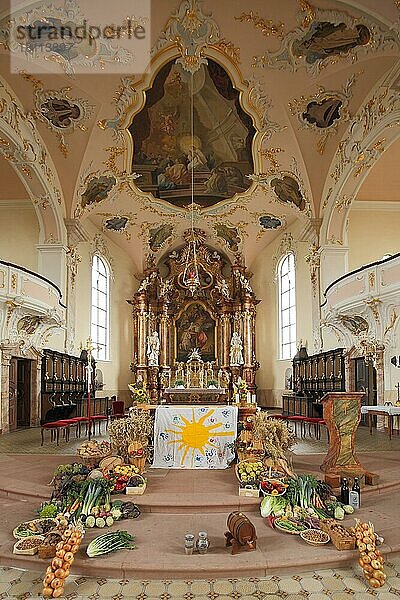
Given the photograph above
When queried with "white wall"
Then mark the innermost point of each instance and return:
(271, 375)
(19, 235)
(373, 231)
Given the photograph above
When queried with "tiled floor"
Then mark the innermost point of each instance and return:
(338, 584)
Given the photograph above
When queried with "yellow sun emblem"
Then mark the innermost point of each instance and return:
(195, 435)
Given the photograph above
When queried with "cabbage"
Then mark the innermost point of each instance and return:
(270, 505)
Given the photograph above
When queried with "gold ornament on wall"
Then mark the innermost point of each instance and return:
(266, 26)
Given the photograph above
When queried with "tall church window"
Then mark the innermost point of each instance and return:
(100, 308)
(287, 307)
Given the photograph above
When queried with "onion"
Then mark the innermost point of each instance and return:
(60, 546)
(59, 592)
(60, 573)
(67, 547)
(60, 553)
(374, 583)
(75, 548)
(68, 557)
(47, 592)
(57, 563)
(49, 578)
(56, 583)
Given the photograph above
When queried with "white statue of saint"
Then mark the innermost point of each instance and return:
(236, 350)
(153, 349)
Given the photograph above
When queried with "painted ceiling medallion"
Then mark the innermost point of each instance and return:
(97, 189)
(118, 223)
(73, 52)
(158, 236)
(61, 113)
(324, 111)
(230, 236)
(330, 36)
(270, 222)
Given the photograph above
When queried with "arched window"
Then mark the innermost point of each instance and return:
(100, 308)
(287, 307)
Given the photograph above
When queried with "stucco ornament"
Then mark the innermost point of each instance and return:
(324, 111)
(61, 113)
(191, 31)
(330, 36)
(73, 52)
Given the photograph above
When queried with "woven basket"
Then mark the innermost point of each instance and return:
(276, 525)
(324, 537)
(91, 462)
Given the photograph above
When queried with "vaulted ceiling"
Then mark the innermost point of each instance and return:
(310, 74)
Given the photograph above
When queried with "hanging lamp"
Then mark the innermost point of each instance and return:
(191, 278)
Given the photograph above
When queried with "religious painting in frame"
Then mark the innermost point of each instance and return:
(195, 328)
(220, 151)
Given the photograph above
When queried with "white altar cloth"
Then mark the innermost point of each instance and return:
(194, 437)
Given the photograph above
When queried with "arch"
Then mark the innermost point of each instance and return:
(22, 146)
(371, 133)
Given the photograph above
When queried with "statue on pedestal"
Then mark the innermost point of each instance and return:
(153, 349)
(236, 350)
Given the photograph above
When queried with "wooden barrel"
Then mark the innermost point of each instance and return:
(241, 528)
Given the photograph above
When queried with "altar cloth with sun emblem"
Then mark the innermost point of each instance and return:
(194, 437)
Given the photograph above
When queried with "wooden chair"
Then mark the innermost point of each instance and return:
(117, 409)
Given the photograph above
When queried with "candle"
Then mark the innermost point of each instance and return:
(248, 397)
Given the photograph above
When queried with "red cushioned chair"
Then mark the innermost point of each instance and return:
(55, 427)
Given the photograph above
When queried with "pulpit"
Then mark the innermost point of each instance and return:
(342, 413)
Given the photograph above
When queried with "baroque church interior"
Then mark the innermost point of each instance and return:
(242, 186)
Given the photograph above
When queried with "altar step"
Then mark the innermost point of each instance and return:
(193, 491)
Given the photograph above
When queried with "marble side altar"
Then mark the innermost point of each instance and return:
(195, 395)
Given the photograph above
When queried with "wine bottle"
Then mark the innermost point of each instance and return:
(344, 491)
(355, 494)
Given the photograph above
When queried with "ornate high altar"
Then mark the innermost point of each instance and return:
(184, 339)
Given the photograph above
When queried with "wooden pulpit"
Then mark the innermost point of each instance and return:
(342, 413)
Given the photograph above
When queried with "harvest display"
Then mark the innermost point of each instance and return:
(371, 560)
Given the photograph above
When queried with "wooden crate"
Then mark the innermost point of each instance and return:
(341, 538)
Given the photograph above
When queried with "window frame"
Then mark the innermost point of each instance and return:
(292, 306)
(96, 325)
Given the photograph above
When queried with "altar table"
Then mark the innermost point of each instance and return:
(381, 410)
(194, 437)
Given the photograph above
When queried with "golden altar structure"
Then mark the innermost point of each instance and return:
(193, 333)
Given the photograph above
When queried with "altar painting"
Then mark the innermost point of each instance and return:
(195, 328)
(219, 153)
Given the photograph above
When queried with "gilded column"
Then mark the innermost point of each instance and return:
(142, 330)
(5, 391)
(225, 339)
(164, 334)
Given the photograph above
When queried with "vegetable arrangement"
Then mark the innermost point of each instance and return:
(306, 500)
(58, 571)
(371, 560)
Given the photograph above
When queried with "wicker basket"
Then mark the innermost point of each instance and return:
(28, 551)
(315, 537)
(138, 490)
(277, 526)
(92, 462)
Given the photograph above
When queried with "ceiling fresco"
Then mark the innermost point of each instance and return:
(294, 102)
(220, 152)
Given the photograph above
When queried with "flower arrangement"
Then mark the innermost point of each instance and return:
(138, 392)
(241, 390)
(179, 383)
(212, 383)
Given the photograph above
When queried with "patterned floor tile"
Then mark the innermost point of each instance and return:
(309, 584)
(290, 586)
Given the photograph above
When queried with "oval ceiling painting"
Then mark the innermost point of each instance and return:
(219, 152)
